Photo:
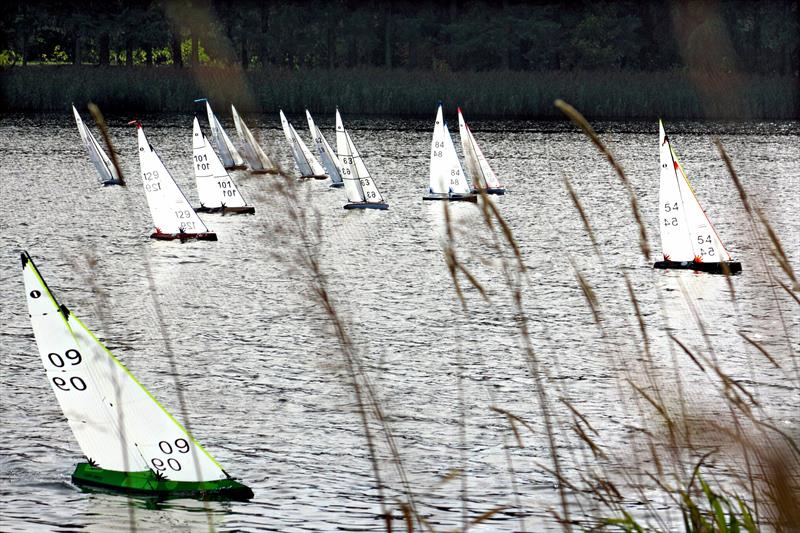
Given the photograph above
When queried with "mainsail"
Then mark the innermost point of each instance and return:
(108, 174)
(687, 233)
(227, 152)
(446, 174)
(215, 186)
(478, 167)
(306, 162)
(329, 159)
(257, 159)
(358, 184)
(118, 424)
(171, 211)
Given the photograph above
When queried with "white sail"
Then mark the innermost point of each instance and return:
(303, 166)
(116, 421)
(316, 168)
(169, 207)
(98, 157)
(687, 234)
(359, 185)
(327, 156)
(446, 174)
(215, 187)
(347, 166)
(227, 152)
(256, 158)
(478, 167)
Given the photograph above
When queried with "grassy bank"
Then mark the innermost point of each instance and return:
(616, 94)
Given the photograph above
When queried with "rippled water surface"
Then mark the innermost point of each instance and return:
(259, 364)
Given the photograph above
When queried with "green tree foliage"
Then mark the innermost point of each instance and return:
(457, 35)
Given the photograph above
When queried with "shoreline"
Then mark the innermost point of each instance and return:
(606, 95)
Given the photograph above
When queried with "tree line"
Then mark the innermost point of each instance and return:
(452, 35)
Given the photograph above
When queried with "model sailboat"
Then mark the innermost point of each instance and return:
(306, 163)
(131, 443)
(688, 239)
(227, 151)
(482, 175)
(108, 173)
(329, 159)
(358, 184)
(215, 187)
(173, 216)
(447, 179)
(258, 161)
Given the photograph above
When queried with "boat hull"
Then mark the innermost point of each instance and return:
(313, 177)
(490, 190)
(109, 183)
(147, 484)
(244, 210)
(236, 167)
(336, 185)
(452, 197)
(366, 205)
(733, 267)
(263, 171)
(207, 236)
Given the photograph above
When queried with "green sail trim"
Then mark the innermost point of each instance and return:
(146, 483)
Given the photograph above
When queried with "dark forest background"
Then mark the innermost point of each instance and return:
(755, 39)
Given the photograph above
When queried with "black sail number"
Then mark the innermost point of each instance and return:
(72, 356)
(168, 448)
(75, 383)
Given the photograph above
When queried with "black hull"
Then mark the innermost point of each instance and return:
(208, 236)
(244, 210)
(109, 183)
(471, 197)
(732, 267)
(237, 167)
(314, 177)
(490, 190)
(366, 205)
(336, 185)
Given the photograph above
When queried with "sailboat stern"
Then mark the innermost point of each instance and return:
(723, 267)
(203, 236)
(491, 190)
(366, 205)
(146, 483)
(225, 210)
(452, 197)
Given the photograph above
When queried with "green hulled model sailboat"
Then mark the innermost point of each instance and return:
(131, 443)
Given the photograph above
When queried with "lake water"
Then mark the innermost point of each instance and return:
(259, 364)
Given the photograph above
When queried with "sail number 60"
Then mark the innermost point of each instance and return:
(181, 445)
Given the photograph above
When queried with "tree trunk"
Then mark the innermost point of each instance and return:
(128, 52)
(24, 49)
(76, 50)
(245, 55)
(195, 51)
(104, 49)
(330, 41)
(177, 54)
(506, 48)
(387, 34)
(148, 55)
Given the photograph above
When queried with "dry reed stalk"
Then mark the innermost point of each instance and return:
(101, 123)
(584, 125)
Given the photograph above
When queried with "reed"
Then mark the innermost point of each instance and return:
(376, 91)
